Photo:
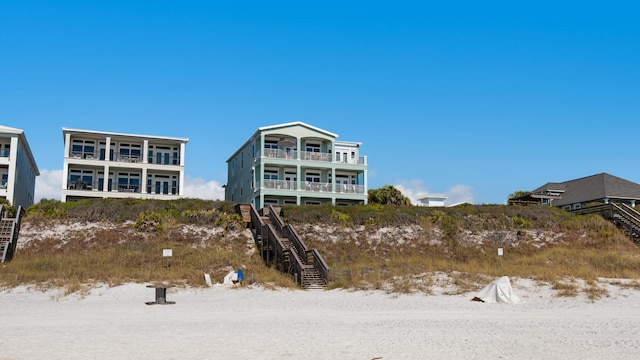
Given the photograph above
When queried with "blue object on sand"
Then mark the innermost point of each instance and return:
(240, 275)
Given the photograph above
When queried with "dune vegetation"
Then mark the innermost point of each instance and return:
(394, 248)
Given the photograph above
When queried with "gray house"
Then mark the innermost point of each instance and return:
(575, 194)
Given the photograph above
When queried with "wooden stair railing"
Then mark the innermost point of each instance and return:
(281, 244)
(9, 232)
(622, 215)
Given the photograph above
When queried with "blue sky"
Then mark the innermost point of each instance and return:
(474, 100)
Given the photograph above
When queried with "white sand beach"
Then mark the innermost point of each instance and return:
(253, 323)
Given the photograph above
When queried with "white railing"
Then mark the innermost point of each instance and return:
(280, 154)
(311, 156)
(83, 155)
(280, 184)
(312, 186)
(350, 189)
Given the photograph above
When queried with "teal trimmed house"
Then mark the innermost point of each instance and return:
(296, 163)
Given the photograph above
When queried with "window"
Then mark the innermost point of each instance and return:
(313, 148)
(80, 179)
(162, 184)
(271, 175)
(312, 177)
(130, 152)
(83, 149)
(5, 150)
(271, 144)
(128, 182)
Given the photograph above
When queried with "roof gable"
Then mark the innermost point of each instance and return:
(297, 124)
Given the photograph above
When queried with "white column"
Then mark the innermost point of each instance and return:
(366, 187)
(145, 152)
(12, 174)
(182, 147)
(105, 183)
(143, 180)
(107, 150)
(67, 145)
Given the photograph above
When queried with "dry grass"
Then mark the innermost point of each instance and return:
(589, 248)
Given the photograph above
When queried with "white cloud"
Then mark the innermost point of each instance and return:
(415, 189)
(202, 189)
(48, 185)
(459, 194)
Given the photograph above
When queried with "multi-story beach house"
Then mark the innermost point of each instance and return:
(296, 163)
(114, 165)
(18, 169)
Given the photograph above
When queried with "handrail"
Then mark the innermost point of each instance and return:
(633, 211)
(295, 239)
(301, 259)
(12, 242)
(256, 219)
(633, 220)
(273, 216)
(318, 263)
(298, 266)
(278, 246)
(627, 215)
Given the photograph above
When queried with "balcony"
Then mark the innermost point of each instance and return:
(129, 158)
(79, 185)
(128, 188)
(83, 155)
(311, 156)
(280, 184)
(312, 187)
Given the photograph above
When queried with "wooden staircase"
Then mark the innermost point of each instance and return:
(624, 216)
(280, 244)
(9, 230)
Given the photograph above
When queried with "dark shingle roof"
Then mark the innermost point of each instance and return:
(597, 187)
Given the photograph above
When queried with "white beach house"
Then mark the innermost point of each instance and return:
(116, 165)
(296, 163)
(18, 169)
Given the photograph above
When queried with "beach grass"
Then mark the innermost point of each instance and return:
(130, 247)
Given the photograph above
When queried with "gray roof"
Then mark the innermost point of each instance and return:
(595, 188)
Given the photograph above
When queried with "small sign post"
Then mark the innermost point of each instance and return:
(167, 253)
(500, 253)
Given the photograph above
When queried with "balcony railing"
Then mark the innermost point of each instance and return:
(81, 185)
(312, 186)
(281, 184)
(129, 158)
(83, 155)
(280, 154)
(129, 188)
(311, 156)
(120, 158)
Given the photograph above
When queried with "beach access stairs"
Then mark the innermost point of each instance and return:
(622, 215)
(281, 246)
(9, 231)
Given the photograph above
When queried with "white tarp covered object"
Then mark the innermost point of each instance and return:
(231, 278)
(499, 291)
